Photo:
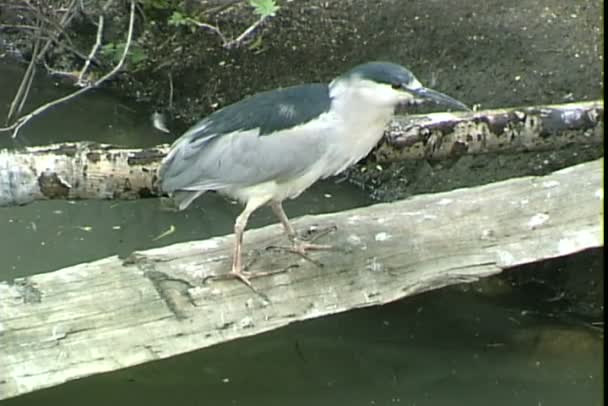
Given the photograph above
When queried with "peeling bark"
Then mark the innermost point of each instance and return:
(450, 135)
(78, 171)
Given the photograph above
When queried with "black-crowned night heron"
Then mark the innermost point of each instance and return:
(275, 144)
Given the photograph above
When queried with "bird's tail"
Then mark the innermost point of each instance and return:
(180, 199)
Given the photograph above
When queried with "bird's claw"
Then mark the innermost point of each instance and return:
(245, 276)
(300, 248)
(313, 233)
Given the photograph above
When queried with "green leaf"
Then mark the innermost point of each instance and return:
(177, 19)
(264, 8)
(114, 52)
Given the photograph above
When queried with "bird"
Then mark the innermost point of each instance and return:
(273, 145)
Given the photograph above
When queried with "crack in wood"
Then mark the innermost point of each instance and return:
(28, 290)
(61, 336)
(173, 291)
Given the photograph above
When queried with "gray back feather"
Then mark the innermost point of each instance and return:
(260, 138)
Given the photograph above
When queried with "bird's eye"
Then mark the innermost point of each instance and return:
(396, 85)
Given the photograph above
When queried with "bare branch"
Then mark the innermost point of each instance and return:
(80, 81)
(23, 120)
(239, 40)
(170, 91)
(226, 43)
(60, 27)
(210, 28)
(26, 81)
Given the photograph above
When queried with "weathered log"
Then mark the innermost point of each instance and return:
(536, 128)
(81, 170)
(114, 313)
(95, 171)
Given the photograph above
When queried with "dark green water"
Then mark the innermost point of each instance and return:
(447, 347)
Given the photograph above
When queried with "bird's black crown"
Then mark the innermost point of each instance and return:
(381, 72)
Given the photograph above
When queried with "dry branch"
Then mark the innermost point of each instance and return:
(16, 126)
(95, 171)
(25, 85)
(114, 313)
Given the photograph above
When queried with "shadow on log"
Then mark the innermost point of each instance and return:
(119, 312)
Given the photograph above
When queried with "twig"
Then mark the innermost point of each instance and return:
(211, 28)
(27, 90)
(170, 91)
(92, 53)
(26, 82)
(65, 20)
(67, 44)
(51, 71)
(225, 42)
(221, 7)
(245, 34)
(37, 54)
(234, 42)
(18, 26)
(19, 123)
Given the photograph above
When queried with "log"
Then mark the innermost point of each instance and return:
(119, 312)
(81, 170)
(451, 135)
(96, 171)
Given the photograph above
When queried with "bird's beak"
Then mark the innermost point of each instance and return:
(439, 98)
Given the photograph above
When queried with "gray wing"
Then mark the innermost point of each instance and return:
(268, 136)
(242, 159)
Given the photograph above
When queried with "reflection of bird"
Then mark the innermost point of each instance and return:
(275, 144)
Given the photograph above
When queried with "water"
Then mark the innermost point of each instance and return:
(450, 346)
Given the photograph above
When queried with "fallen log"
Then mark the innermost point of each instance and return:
(535, 128)
(87, 170)
(118, 312)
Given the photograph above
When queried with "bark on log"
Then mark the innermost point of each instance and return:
(94, 171)
(114, 313)
(80, 170)
(449, 135)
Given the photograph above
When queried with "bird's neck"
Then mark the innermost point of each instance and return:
(361, 126)
(355, 108)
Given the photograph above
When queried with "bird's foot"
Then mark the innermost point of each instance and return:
(241, 273)
(301, 245)
(245, 276)
(312, 234)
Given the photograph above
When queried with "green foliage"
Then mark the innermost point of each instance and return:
(177, 19)
(114, 52)
(264, 8)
